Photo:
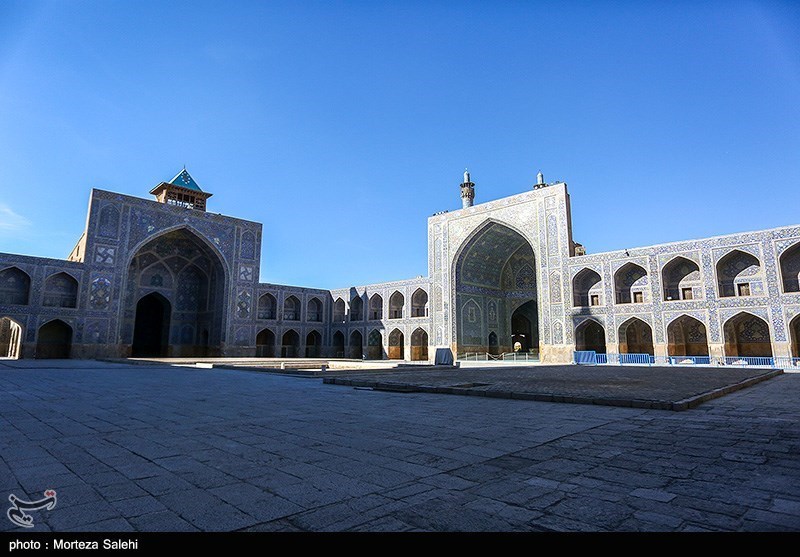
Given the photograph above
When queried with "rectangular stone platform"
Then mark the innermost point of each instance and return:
(664, 388)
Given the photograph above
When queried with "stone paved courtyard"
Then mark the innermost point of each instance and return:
(162, 448)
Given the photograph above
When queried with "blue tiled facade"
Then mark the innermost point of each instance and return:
(503, 275)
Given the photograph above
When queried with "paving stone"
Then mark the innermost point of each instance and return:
(654, 494)
(604, 514)
(76, 516)
(786, 506)
(110, 525)
(276, 453)
(138, 506)
(448, 481)
(162, 521)
(780, 519)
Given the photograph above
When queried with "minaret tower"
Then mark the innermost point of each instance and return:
(467, 191)
(539, 181)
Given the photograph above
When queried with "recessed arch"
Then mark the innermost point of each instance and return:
(178, 231)
(54, 340)
(375, 345)
(313, 344)
(794, 333)
(265, 344)
(396, 303)
(419, 303)
(356, 345)
(494, 273)
(337, 344)
(679, 278)
(790, 269)
(15, 287)
(635, 337)
(396, 345)
(587, 288)
(291, 309)
(267, 305)
(630, 284)
(108, 223)
(376, 307)
(590, 335)
(338, 311)
(11, 335)
(686, 336)
(60, 290)
(419, 345)
(190, 273)
(290, 344)
(481, 229)
(356, 309)
(747, 335)
(493, 344)
(735, 273)
(314, 310)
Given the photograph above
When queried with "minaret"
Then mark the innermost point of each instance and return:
(467, 191)
(539, 181)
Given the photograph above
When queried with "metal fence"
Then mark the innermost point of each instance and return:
(637, 359)
(521, 357)
(584, 357)
(588, 357)
(508, 357)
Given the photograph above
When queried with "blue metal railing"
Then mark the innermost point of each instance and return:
(749, 361)
(585, 357)
(689, 360)
(640, 359)
(787, 363)
(591, 358)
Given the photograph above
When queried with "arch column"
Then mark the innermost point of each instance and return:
(716, 349)
(660, 349)
(782, 349)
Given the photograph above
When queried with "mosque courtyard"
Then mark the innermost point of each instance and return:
(163, 448)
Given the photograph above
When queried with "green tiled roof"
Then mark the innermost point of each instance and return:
(185, 180)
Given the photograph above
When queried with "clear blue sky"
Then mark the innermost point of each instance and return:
(343, 125)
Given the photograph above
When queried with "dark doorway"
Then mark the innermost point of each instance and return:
(590, 335)
(356, 345)
(522, 331)
(290, 344)
(493, 347)
(151, 329)
(55, 340)
(338, 344)
(313, 344)
(265, 344)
